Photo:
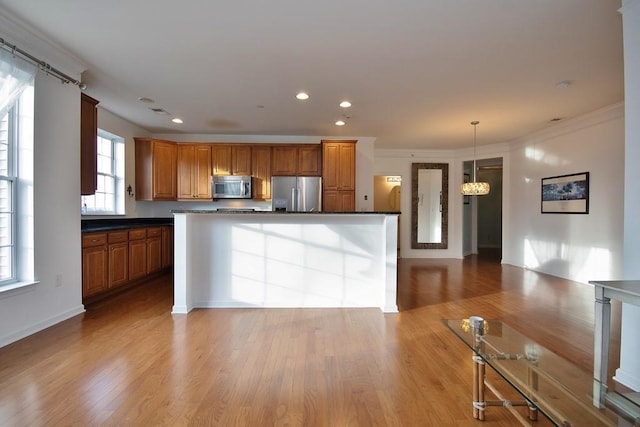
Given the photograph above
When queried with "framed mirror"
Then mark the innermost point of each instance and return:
(429, 205)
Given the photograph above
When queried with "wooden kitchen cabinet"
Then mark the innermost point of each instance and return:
(94, 264)
(284, 161)
(156, 169)
(88, 145)
(338, 176)
(194, 171)
(137, 253)
(310, 160)
(231, 159)
(118, 258)
(154, 249)
(296, 160)
(261, 168)
(338, 201)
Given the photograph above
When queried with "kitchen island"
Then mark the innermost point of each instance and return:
(273, 259)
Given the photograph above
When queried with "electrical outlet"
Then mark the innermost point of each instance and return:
(58, 280)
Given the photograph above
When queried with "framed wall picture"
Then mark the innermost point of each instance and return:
(567, 194)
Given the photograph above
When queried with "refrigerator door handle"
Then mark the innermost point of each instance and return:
(294, 199)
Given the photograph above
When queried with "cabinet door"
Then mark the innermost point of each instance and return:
(202, 171)
(88, 145)
(347, 201)
(194, 171)
(346, 166)
(94, 270)
(261, 167)
(221, 159)
(154, 254)
(165, 170)
(330, 157)
(241, 160)
(310, 160)
(284, 161)
(186, 162)
(167, 247)
(338, 201)
(118, 264)
(330, 202)
(137, 259)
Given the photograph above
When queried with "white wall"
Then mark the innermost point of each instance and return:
(398, 162)
(56, 217)
(576, 247)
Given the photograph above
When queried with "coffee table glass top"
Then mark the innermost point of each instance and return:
(560, 390)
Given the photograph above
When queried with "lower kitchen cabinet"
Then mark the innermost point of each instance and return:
(154, 249)
(116, 259)
(94, 264)
(137, 253)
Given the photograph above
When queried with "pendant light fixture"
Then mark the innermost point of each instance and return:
(474, 188)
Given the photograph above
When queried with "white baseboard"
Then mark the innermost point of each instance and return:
(23, 333)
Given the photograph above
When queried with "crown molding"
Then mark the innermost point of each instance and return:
(33, 41)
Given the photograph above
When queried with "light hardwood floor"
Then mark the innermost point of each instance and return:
(129, 362)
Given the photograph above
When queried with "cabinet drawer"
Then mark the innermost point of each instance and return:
(118, 236)
(94, 239)
(154, 232)
(137, 234)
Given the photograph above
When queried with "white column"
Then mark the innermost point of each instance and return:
(181, 289)
(629, 371)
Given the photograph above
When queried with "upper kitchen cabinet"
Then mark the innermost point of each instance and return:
(261, 168)
(339, 175)
(231, 159)
(156, 169)
(296, 160)
(88, 145)
(194, 171)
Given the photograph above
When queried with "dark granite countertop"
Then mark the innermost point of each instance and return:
(89, 225)
(251, 212)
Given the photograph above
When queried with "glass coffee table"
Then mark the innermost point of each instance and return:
(548, 384)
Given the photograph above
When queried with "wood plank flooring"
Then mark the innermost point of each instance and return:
(129, 362)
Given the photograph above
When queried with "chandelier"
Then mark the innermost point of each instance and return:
(475, 188)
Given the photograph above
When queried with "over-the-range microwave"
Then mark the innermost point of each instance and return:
(231, 187)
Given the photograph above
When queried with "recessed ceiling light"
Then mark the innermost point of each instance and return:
(177, 120)
(345, 104)
(340, 123)
(302, 96)
(146, 100)
(564, 83)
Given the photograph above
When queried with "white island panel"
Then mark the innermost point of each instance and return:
(285, 260)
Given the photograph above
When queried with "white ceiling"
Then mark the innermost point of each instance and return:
(416, 71)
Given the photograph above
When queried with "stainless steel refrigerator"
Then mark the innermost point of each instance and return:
(296, 193)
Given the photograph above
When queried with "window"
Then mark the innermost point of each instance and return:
(109, 197)
(7, 185)
(16, 208)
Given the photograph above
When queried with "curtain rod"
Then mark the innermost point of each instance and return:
(42, 65)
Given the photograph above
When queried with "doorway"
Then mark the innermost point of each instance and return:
(482, 215)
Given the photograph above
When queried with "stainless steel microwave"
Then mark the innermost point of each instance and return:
(231, 187)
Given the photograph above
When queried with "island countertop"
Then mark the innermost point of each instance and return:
(262, 212)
